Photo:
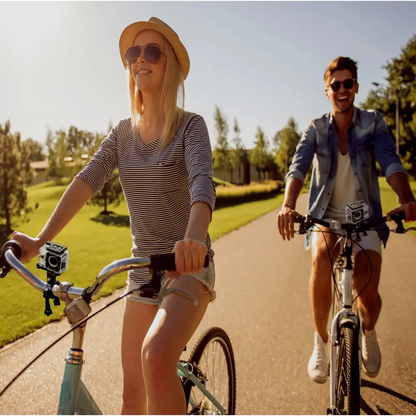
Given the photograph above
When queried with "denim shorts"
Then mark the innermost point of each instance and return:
(371, 241)
(206, 277)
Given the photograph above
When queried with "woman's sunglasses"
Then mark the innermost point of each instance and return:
(152, 54)
(348, 84)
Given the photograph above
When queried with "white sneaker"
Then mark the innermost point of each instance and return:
(318, 363)
(370, 352)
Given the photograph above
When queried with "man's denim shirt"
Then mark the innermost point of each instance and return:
(368, 140)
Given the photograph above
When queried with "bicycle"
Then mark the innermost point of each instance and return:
(345, 357)
(204, 393)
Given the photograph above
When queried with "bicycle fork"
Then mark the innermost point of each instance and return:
(343, 316)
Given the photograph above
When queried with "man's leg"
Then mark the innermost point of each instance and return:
(320, 291)
(369, 305)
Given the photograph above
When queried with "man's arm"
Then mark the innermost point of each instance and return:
(400, 184)
(301, 163)
(285, 218)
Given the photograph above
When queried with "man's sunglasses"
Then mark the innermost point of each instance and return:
(348, 84)
(152, 54)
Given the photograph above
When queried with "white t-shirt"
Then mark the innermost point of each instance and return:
(344, 191)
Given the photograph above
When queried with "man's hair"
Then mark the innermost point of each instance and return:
(339, 64)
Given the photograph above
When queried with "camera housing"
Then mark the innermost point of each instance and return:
(357, 212)
(54, 258)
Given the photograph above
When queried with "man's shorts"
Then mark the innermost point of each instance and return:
(371, 241)
(206, 277)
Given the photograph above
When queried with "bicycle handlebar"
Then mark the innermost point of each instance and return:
(12, 252)
(306, 222)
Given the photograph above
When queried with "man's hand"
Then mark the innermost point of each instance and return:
(285, 222)
(409, 209)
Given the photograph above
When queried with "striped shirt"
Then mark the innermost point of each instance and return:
(160, 184)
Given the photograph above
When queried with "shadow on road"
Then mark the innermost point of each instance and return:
(369, 411)
(114, 220)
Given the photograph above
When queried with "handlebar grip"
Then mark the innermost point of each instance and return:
(299, 219)
(167, 261)
(398, 216)
(17, 250)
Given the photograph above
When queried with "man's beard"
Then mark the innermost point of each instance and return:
(346, 110)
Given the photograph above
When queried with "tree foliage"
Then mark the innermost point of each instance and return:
(238, 154)
(35, 150)
(15, 175)
(285, 142)
(111, 193)
(401, 82)
(222, 156)
(260, 156)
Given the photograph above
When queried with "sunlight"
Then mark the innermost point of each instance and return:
(32, 29)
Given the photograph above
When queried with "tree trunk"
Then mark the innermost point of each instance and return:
(6, 207)
(105, 198)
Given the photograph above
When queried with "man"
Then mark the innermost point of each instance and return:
(344, 146)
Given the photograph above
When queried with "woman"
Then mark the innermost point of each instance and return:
(165, 163)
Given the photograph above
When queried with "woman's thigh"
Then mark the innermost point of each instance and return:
(176, 321)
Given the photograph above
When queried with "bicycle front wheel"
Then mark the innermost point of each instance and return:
(347, 387)
(213, 364)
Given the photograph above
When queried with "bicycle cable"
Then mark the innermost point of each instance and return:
(80, 323)
(331, 259)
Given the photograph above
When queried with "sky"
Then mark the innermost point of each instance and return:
(260, 62)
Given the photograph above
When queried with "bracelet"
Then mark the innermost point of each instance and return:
(195, 241)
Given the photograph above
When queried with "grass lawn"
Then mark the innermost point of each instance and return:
(92, 245)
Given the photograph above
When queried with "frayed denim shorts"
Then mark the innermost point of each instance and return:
(206, 277)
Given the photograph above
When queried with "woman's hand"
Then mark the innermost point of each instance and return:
(189, 257)
(30, 245)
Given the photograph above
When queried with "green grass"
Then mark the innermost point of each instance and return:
(92, 245)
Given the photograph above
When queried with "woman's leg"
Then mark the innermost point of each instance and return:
(175, 322)
(137, 319)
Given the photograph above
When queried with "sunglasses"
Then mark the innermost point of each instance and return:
(152, 54)
(348, 84)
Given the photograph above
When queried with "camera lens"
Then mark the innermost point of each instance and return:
(357, 215)
(53, 261)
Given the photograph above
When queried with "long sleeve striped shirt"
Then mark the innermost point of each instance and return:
(160, 184)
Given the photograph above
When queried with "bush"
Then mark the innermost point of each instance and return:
(228, 196)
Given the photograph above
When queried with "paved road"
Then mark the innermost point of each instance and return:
(262, 286)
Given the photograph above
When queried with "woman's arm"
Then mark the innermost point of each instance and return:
(74, 198)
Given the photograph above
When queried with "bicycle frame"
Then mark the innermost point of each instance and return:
(75, 398)
(344, 315)
(183, 371)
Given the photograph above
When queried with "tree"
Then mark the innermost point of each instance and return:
(222, 159)
(57, 153)
(285, 142)
(259, 156)
(35, 150)
(111, 193)
(15, 175)
(238, 153)
(401, 82)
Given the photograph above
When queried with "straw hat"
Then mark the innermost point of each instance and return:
(131, 31)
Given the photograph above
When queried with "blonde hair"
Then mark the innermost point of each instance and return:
(172, 98)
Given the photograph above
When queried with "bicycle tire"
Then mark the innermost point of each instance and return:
(347, 381)
(199, 359)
